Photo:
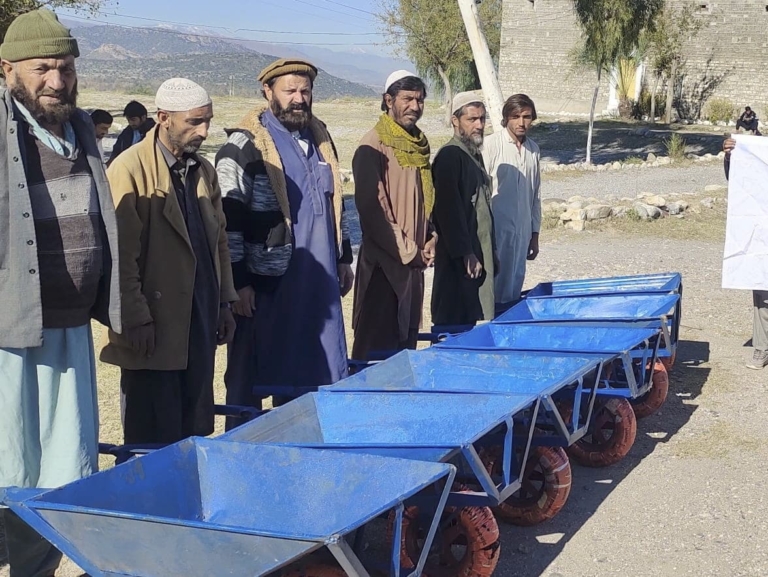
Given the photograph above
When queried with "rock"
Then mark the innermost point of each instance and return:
(707, 202)
(708, 156)
(346, 176)
(575, 198)
(619, 211)
(573, 214)
(721, 154)
(651, 157)
(598, 211)
(655, 200)
(626, 199)
(610, 198)
(603, 168)
(715, 188)
(577, 225)
(677, 207)
(553, 201)
(664, 160)
(646, 211)
(576, 205)
(692, 156)
(616, 166)
(644, 194)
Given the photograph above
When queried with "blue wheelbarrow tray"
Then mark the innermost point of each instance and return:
(645, 310)
(206, 507)
(420, 426)
(626, 342)
(549, 376)
(669, 282)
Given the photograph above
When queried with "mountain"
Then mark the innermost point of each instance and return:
(140, 59)
(213, 71)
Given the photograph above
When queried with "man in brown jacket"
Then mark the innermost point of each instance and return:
(175, 275)
(394, 196)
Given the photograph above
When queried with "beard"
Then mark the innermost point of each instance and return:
(294, 117)
(47, 114)
(473, 141)
(188, 147)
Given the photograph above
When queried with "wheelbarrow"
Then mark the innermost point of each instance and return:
(205, 507)
(557, 378)
(426, 427)
(642, 311)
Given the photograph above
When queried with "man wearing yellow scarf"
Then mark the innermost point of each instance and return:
(394, 197)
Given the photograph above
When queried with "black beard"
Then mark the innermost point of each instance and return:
(51, 114)
(295, 117)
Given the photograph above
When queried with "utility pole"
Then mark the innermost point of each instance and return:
(488, 79)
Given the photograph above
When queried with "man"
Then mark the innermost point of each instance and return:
(512, 160)
(138, 127)
(462, 292)
(176, 280)
(279, 174)
(58, 270)
(748, 121)
(759, 297)
(102, 121)
(394, 196)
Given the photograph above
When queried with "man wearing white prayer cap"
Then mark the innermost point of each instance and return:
(394, 196)
(462, 291)
(176, 279)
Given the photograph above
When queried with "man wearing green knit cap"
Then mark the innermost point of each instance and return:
(58, 270)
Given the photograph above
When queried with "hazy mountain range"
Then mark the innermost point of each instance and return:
(139, 59)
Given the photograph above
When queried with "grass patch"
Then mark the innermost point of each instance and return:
(675, 146)
(633, 160)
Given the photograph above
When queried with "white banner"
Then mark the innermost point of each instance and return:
(745, 259)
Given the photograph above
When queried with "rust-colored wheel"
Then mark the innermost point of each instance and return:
(466, 544)
(610, 436)
(315, 571)
(546, 484)
(669, 362)
(650, 402)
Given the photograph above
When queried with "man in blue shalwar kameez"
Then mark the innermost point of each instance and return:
(282, 198)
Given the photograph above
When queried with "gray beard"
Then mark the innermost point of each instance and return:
(474, 149)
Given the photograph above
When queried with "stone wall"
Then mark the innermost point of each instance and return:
(728, 58)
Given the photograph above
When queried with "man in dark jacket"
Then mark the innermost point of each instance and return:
(138, 126)
(58, 270)
(462, 293)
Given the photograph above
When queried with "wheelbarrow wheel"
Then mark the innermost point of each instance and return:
(315, 571)
(466, 544)
(669, 362)
(647, 404)
(610, 436)
(546, 484)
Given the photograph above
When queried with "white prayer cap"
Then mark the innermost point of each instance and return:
(464, 98)
(398, 75)
(180, 95)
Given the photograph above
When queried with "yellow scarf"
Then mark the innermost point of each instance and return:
(411, 151)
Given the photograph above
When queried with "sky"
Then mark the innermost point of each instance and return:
(335, 24)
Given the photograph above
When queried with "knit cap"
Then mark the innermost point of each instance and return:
(37, 34)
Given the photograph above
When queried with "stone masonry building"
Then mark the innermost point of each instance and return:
(727, 59)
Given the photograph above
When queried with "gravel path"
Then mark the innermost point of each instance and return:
(631, 182)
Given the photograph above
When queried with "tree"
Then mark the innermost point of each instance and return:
(611, 30)
(431, 34)
(672, 29)
(10, 9)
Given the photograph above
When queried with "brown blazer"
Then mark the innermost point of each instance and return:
(157, 264)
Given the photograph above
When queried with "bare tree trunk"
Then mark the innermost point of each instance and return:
(592, 116)
(447, 94)
(671, 92)
(653, 98)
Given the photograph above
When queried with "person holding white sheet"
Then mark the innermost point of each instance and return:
(759, 297)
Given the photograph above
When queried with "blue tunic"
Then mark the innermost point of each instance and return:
(300, 334)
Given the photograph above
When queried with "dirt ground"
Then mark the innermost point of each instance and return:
(690, 498)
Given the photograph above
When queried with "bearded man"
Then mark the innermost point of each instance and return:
(176, 280)
(462, 292)
(279, 175)
(394, 196)
(58, 270)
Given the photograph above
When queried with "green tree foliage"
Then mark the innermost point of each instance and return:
(431, 34)
(611, 30)
(10, 9)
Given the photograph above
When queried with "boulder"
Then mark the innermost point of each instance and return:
(597, 211)
(651, 157)
(646, 211)
(573, 214)
(715, 188)
(664, 160)
(576, 205)
(616, 166)
(708, 202)
(577, 225)
(655, 200)
(575, 198)
(677, 207)
(619, 211)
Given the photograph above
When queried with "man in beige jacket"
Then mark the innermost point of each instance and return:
(175, 275)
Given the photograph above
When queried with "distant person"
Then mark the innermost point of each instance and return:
(512, 160)
(176, 279)
(748, 121)
(102, 121)
(291, 257)
(138, 126)
(759, 297)
(58, 270)
(394, 195)
(462, 292)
